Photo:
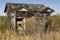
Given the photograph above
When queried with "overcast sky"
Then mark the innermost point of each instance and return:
(54, 4)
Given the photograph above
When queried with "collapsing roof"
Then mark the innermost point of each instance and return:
(28, 7)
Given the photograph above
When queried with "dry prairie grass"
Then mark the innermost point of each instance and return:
(10, 35)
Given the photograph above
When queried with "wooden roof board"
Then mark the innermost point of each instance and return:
(30, 7)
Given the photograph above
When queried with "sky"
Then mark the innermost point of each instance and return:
(54, 4)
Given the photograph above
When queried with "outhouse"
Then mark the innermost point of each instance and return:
(27, 18)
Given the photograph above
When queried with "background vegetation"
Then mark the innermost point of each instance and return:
(52, 32)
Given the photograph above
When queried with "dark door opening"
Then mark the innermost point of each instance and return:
(19, 19)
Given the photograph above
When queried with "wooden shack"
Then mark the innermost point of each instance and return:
(27, 18)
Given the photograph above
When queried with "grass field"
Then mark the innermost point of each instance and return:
(10, 35)
(52, 33)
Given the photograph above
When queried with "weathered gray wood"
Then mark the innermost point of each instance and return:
(37, 12)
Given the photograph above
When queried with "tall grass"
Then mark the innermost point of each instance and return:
(52, 33)
(10, 35)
